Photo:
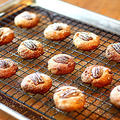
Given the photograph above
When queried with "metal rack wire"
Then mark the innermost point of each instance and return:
(98, 106)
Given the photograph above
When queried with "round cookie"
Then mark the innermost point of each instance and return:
(36, 83)
(115, 96)
(96, 75)
(61, 64)
(6, 35)
(113, 52)
(7, 68)
(68, 98)
(29, 49)
(57, 31)
(26, 19)
(86, 40)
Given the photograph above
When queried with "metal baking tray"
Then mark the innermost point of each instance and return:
(97, 107)
(8, 114)
(5, 4)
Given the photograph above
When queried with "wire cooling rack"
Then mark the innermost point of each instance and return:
(98, 106)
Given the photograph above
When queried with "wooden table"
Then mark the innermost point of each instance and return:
(104, 7)
(108, 8)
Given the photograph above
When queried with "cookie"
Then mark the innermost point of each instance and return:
(36, 83)
(29, 49)
(98, 76)
(26, 19)
(68, 98)
(57, 31)
(6, 35)
(61, 64)
(7, 68)
(86, 40)
(113, 52)
(115, 96)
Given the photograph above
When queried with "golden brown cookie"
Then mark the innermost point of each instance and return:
(96, 75)
(57, 31)
(30, 49)
(61, 64)
(115, 96)
(86, 40)
(68, 98)
(6, 35)
(26, 19)
(113, 52)
(36, 83)
(7, 68)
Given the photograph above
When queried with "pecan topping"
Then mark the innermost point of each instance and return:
(59, 89)
(70, 93)
(110, 72)
(27, 16)
(57, 27)
(30, 44)
(117, 47)
(3, 64)
(96, 72)
(118, 88)
(37, 78)
(85, 37)
(1, 32)
(62, 59)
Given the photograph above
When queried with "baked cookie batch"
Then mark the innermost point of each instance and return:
(98, 76)
(66, 98)
(113, 52)
(29, 49)
(7, 68)
(26, 19)
(57, 31)
(61, 64)
(115, 96)
(86, 40)
(36, 83)
(6, 35)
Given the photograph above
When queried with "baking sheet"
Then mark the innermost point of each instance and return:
(97, 104)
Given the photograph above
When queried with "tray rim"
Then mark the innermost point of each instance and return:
(81, 14)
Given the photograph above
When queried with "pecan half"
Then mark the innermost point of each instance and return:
(3, 64)
(57, 27)
(30, 44)
(1, 32)
(117, 47)
(118, 88)
(37, 78)
(97, 72)
(58, 90)
(62, 59)
(85, 37)
(27, 16)
(70, 93)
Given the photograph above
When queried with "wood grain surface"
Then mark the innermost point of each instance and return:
(108, 8)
